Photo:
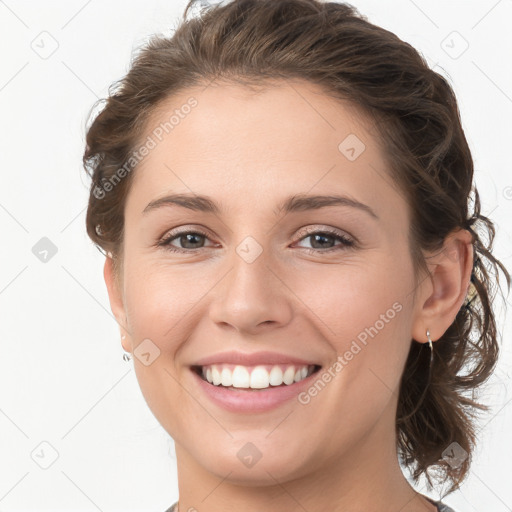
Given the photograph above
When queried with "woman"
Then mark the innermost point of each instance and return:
(294, 256)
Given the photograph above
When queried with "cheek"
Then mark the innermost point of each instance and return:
(368, 330)
(162, 303)
(160, 297)
(366, 317)
(351, 299)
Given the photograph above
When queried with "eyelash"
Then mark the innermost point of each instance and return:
(346, 241)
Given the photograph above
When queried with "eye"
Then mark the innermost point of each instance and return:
(191, 240)
(323, 240)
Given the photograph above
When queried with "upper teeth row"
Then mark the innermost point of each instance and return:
(258, 378)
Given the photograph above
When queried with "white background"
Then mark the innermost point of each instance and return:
(62, 377)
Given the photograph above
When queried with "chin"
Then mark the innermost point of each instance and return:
(247, 466)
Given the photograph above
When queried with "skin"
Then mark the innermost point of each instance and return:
(249, 151)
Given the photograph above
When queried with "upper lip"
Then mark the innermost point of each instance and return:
(256, 358)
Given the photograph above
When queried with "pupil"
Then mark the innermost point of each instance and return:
(316, 237)
(190, 238)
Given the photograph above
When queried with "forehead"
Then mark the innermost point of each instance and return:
(281, 115)
(267, 142)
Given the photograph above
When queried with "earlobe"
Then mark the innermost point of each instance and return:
(446, 286)
(115, 298)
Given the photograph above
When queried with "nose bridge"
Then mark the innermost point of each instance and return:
(250, 294)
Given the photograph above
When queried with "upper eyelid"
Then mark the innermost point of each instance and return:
(304, 233)
(318, 229)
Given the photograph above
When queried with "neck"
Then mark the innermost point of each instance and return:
(367, 477)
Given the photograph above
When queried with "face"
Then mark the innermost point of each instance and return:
(259, 274)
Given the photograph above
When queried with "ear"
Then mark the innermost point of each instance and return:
(442, 293)
(116, 300)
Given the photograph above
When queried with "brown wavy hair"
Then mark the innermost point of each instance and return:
(417, 119)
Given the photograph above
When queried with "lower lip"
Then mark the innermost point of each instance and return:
(251, 400)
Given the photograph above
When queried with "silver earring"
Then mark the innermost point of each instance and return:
(404, 418)
(126, 356)
(431, 349)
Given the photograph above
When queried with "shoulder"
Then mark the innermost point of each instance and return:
(444, 508)
(441, 507)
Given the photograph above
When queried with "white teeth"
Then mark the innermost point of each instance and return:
(257, 377)
(240, 377)
(216, 379)
(226, 377)
(276, 376)
(289, 375)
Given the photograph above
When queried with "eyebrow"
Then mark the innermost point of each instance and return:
(295, 203)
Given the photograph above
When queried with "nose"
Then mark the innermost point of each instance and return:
(252, 297)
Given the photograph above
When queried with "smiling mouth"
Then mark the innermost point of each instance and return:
(258, 377)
